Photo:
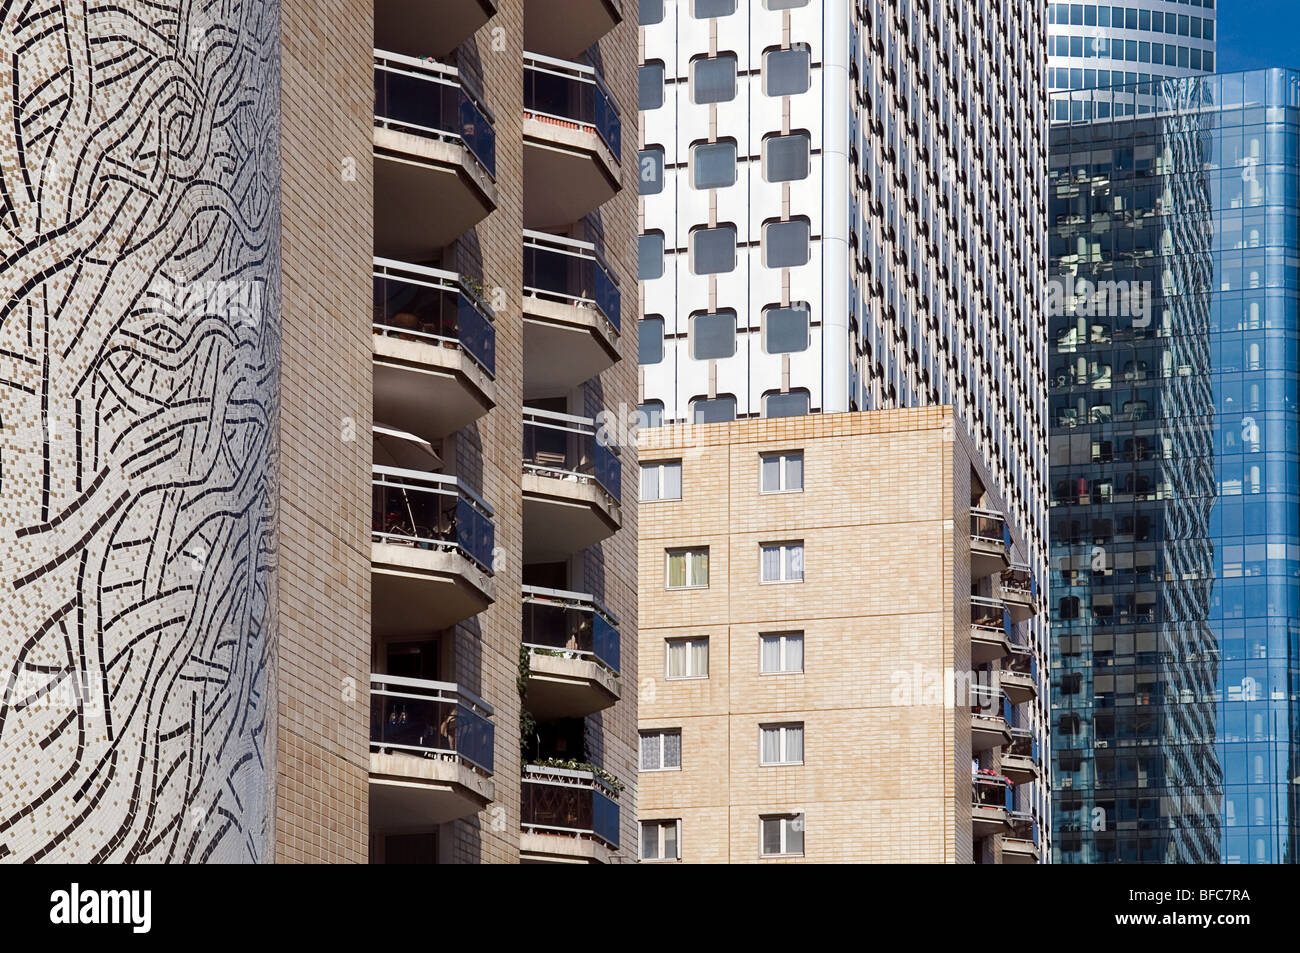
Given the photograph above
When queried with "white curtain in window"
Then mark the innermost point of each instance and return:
(771, 474)
(676, 570)
(649, 752)
(670, 840)
(771, 653)
(771, 745)
(672, 749)
(794, 562)
(794, 653)
(650, 483)
(700, 568)
(649, 841)
(794, 743)
(771, 563)
(794, 472)
(700, 657)
(676, 659)
(794, 835)
(672, 482)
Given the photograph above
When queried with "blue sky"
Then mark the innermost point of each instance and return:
(1258, 33)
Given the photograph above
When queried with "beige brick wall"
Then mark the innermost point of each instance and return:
(882, 778)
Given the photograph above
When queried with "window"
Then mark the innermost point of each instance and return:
(650, 12)
(713, 410)
(784, 4)
(650, 256)
(785, 72)
(781, 835)
(713, 250)
(705, 9)
(661, 481)
(785, 330)
(661, 750)
(780, 653)
(661, 840)
(782, 562)
(713, 336)
(650, 162)
(688, 568)
(781, 744)
(785, 244)
(781, 472)
(688, 658)
(785, 158)
(650, 414)
(713, 79)
(713, 164)
(793, 404)
(650, 85)
(650, 340)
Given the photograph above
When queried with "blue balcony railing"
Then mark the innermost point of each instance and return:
(433, 306)
(568, 802)
(431, 100)
(571, 622)
(569, 447)
(570, 272)
(430, 719)
(431, 511)
(568, 93)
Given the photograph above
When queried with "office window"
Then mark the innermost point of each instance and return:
(781, 472)
(707, 9)
(661, 749)
(650, 163)
(688, 568)
(713, 336)
(782, 562)
(785, 330)
(661, 481)
(650, 340)
(713, 410)
(785, 244)
(650, 256)
(650, 12)
(785, 158)
(688, 658)
(661, 840)
(782, 835)
(793, 404)
(786, 72)
(713, 250)
(650, 414)
(650, 85)
(713, 164)
(781, 744)
(781, 653)
(713, 79)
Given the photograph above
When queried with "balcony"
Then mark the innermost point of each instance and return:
(988, 718)
(1020, 757)
(990, 541)
(434, 350)
(991, 802)
(572, 142)
(565, 28)
(1019, 675)
(1019, 590)
(433, 29)
(431, 751)
(1020, 844)
(572, 485)
(435, 157)
(566, 816)
(990, 638)
(431, 552)
(574, 654)
(571, 314)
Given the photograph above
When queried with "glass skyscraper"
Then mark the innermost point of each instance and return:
(1175, 533)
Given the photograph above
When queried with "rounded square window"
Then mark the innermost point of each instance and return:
(793, 404)
(713, 164)
(713, 250)
(650, 171)
(650, 85)
(708, 9)
(784, 4)
(650, 12)
(713, 410)
(713, 336)
(785, 330)
(713, 79)
(785, 158)
(650, 256)
(787, 72)
(650, 340)
(785, 244)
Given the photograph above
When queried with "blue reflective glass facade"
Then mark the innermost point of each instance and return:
(1174, 525)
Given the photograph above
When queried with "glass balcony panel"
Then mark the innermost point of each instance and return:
(565, 91)
(431, 100)
(428, 718)
(571, 273)
(430, 511)
(432, 306)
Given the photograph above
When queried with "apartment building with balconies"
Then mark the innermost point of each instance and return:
(832, 669)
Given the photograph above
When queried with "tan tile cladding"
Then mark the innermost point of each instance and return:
(882, 778)
(323, 640)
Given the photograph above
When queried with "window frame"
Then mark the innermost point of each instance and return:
(660, 465)
(735, 163)
(719, 228)
(717, 58)
(783, 727)
(784, 638)
(688, 551)
(659, 825)
(784, 547)
(689, 640)
(783, 456)
(790, 817)
(802, 48)
(661, 733)
(720, 315)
